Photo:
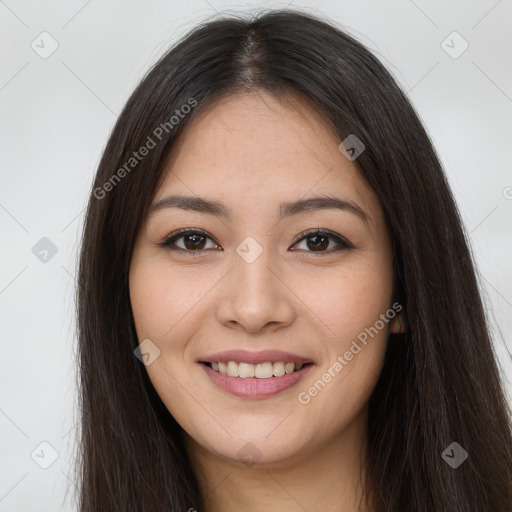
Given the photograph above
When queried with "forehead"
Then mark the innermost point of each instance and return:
(254, 150)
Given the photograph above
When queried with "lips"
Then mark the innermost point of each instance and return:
(264, 356)
(254, 388)
(257, 386)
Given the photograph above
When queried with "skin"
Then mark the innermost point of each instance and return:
(251, 152)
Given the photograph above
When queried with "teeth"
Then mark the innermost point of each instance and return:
(232, 369)
(245, 370)
(264, 370)
(260, 371)
(278, 369)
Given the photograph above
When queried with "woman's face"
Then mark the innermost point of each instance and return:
(248, 282)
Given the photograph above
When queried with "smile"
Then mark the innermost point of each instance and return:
(259, 371)
(255, 381)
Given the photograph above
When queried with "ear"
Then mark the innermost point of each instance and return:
(398, 324)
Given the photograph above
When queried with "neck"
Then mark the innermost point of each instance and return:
(323, 478)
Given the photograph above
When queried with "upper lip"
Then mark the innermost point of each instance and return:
(246, 356)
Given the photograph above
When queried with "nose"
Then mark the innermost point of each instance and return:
(254, 297)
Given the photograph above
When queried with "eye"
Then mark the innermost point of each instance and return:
(318, 240)
(194, 241)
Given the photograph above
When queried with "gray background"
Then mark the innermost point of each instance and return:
(57, 113)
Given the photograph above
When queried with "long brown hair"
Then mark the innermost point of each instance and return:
(439, 384)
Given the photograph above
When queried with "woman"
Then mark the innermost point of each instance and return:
(277, 307)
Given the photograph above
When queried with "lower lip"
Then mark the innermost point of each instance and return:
(253, 387)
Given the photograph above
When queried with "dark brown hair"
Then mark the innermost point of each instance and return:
(440, 382)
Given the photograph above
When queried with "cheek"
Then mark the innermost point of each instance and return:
(165, 306)
(348, 301)
(163, 299)
(349, 305)
(353, 360)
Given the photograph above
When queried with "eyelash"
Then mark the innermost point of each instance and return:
(173, 237)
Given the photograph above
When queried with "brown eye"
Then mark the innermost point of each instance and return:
(193, 241)
(318, 241)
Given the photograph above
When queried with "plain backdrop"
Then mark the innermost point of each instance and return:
(56, 114)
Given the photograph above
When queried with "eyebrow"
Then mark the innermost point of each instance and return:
(286, 209)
